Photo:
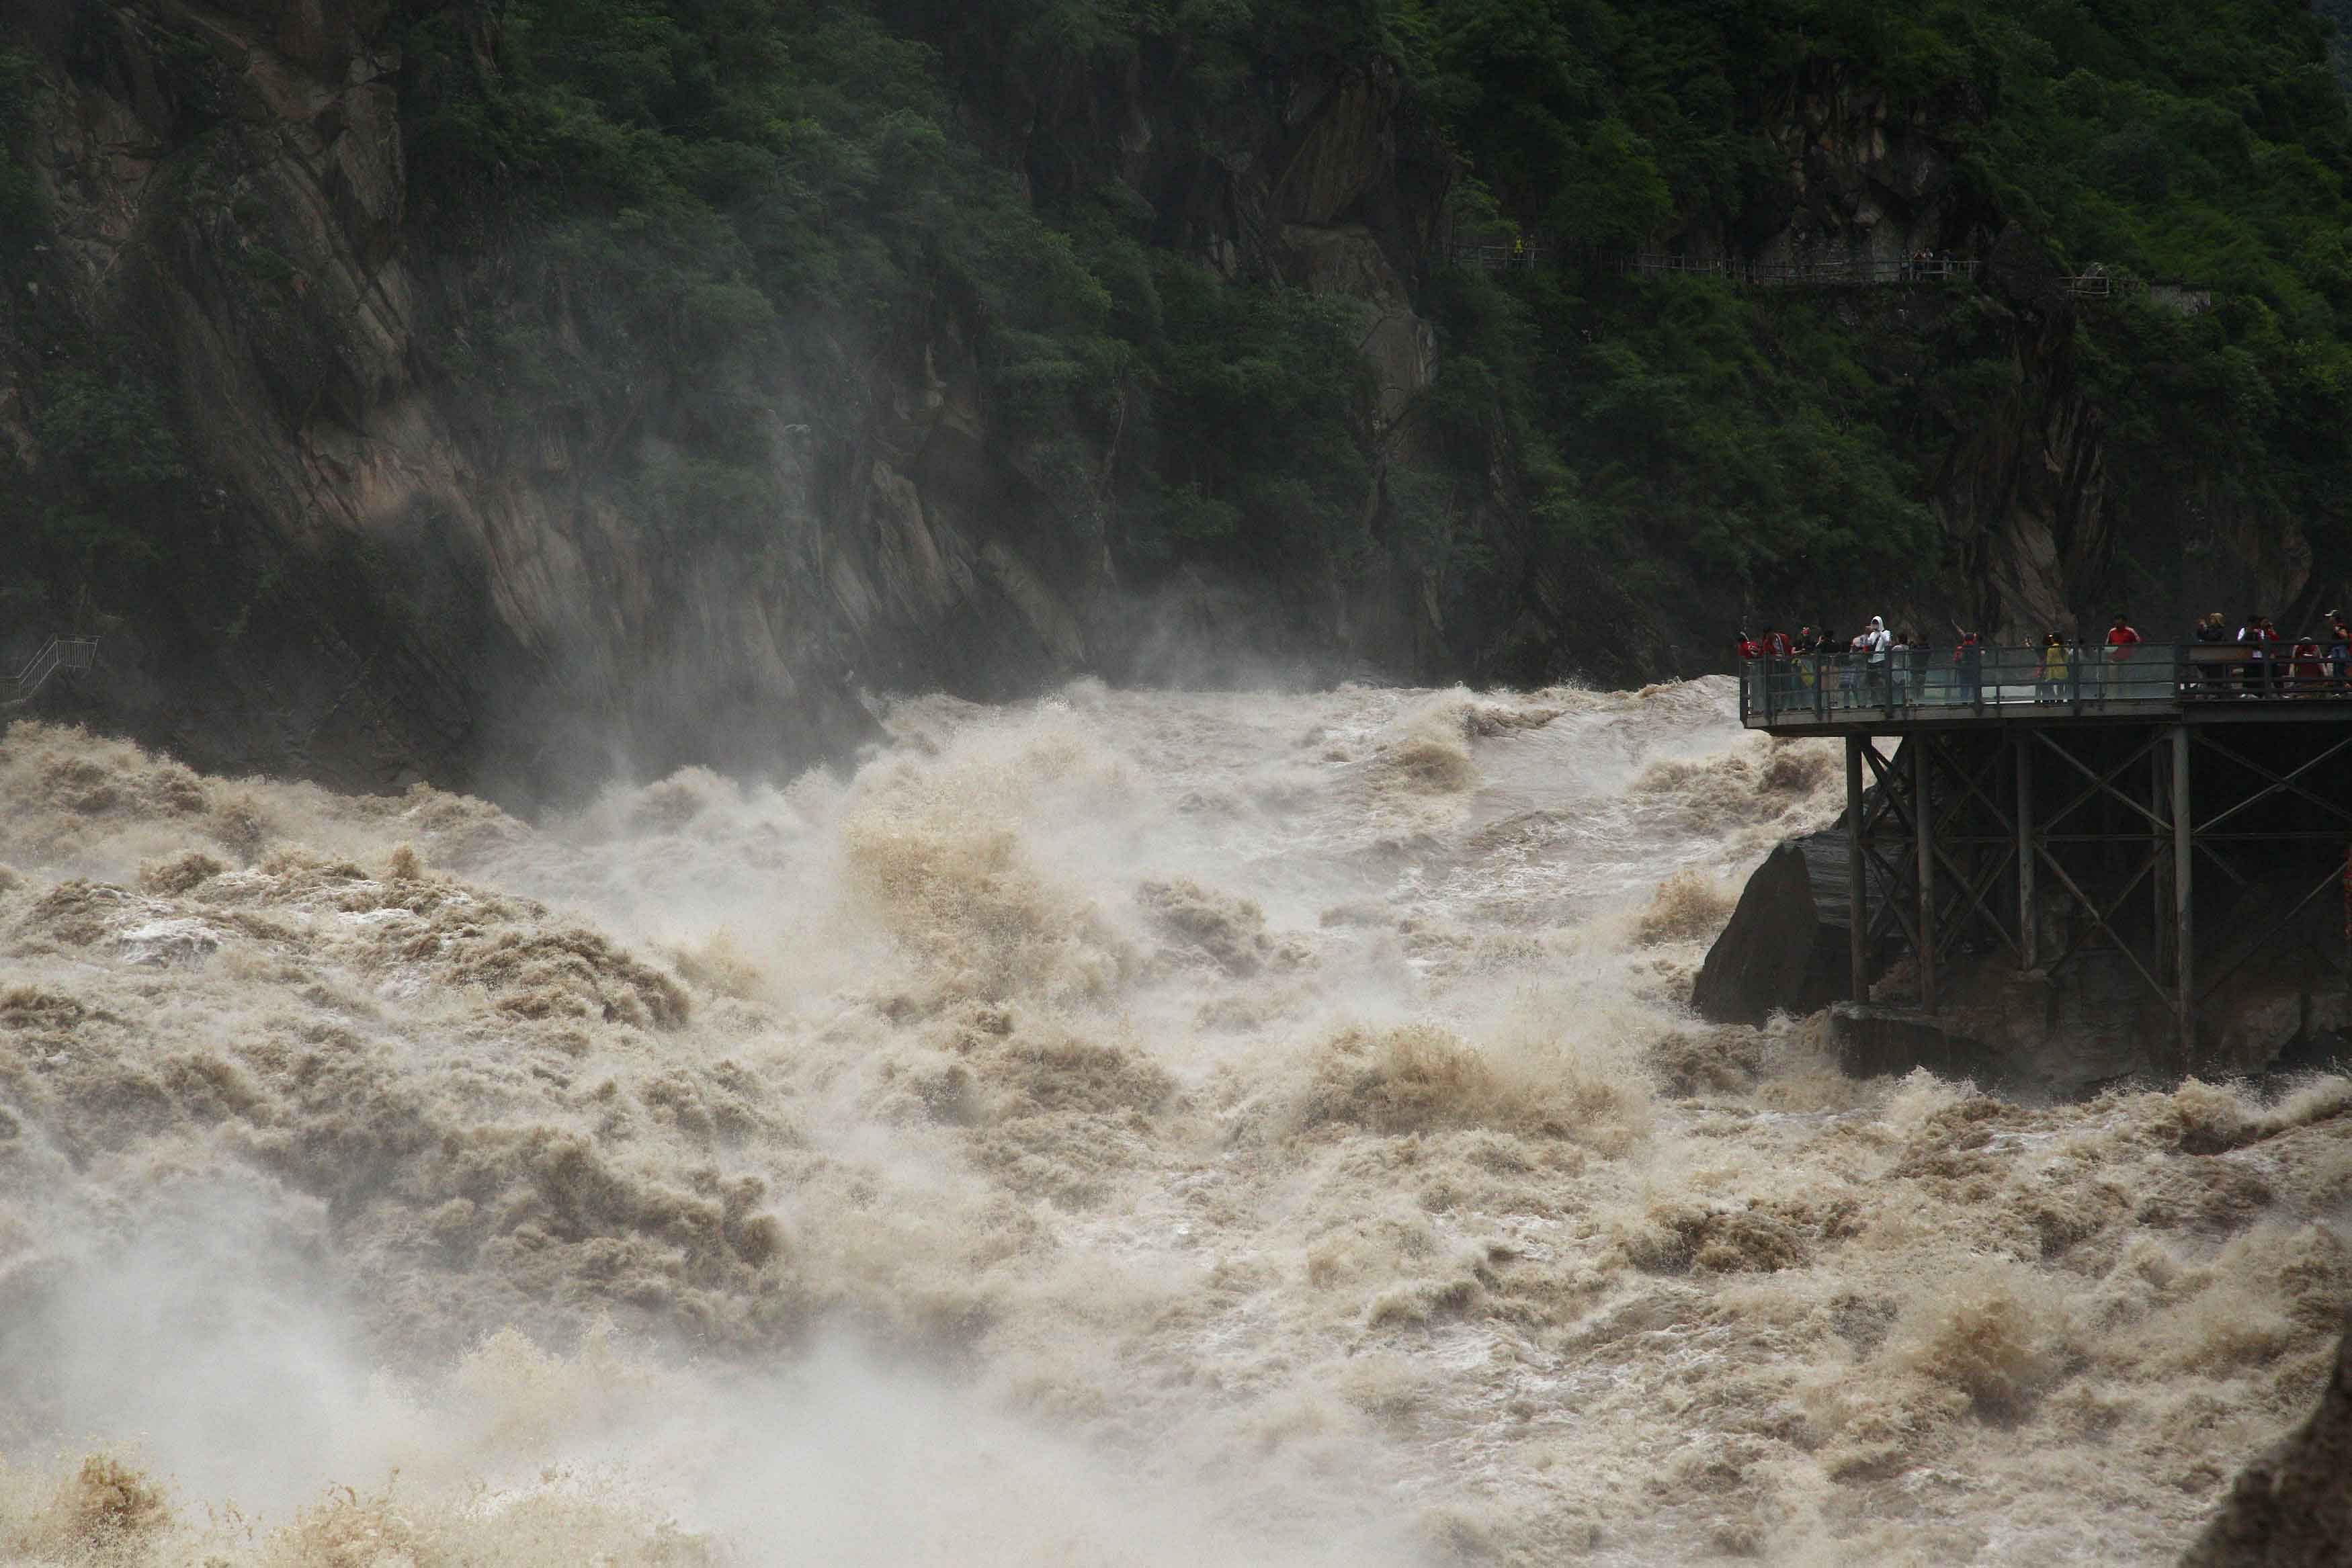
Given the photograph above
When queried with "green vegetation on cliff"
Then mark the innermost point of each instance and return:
(2151, 137)
(733, 186)
(733, 183)
(20, 204)
(702, 251)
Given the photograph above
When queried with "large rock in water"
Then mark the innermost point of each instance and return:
(2293, 1507)
(1785, 950)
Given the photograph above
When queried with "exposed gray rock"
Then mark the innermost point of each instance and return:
(1786, 948)
(1758, 965)
(2293, 1507)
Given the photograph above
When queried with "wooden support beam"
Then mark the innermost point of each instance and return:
(1923, 830)
(2029, 915)
(2184, 867)
(2159, 790)
(1857, 908)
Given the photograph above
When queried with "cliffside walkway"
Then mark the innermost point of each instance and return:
(2095, 282)
(60, 655)
(2081, 820)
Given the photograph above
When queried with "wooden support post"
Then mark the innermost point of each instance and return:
(2029, 903)
(1922, 827)
(2160, 788)
(1857, 906)
(2184, 865)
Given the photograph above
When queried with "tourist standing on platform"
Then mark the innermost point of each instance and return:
(2052, 688)
(2121, 640)
(2306, 675)
(1776, 652)
(1849, 658)
(1874, 645)
(2201, 676)
(2339, 650)
(2251, 637)
(1967, 662)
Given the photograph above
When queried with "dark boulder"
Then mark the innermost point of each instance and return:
(2292, 1507)
(1785, 950)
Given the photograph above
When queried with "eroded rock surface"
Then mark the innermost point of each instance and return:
(2293, 1507)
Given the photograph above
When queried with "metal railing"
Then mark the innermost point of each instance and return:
(68, 655)
(1510, 255)
(1521, 255)
(1912, 683)
(2095, 282)
(1834, 274)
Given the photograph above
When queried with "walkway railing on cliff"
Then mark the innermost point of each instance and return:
(2096, 282)
(1808, 274)
(60, 655)
(1910, 685)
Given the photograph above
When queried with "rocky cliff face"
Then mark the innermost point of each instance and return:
(393, 593)
(378, 574)
(2041, 535)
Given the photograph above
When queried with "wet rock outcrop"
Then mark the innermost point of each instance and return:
(1785, 949)
(2292, 1507)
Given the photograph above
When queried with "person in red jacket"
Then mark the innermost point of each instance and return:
(1967, 660)
(2121, 640)
(1749, 648)
(2310, 674)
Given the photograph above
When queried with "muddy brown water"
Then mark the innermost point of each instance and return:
(1125, 1128)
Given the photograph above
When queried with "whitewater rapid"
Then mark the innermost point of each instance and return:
(1123, 1128)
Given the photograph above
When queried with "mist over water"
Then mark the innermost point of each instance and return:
(1125, 1128)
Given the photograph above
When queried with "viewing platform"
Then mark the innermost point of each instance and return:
(2194, 683)
(2146, 849)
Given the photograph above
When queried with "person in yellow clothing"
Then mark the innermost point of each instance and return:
(2053, 685)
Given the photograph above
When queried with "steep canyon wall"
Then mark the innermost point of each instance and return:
(377, 569)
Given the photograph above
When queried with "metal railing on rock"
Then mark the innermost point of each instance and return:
(60, 655)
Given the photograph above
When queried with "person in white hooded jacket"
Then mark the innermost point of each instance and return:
(1873, 642)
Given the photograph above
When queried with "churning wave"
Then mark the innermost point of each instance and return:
(1125, 1128)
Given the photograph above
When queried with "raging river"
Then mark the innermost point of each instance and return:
(1119, 1129)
